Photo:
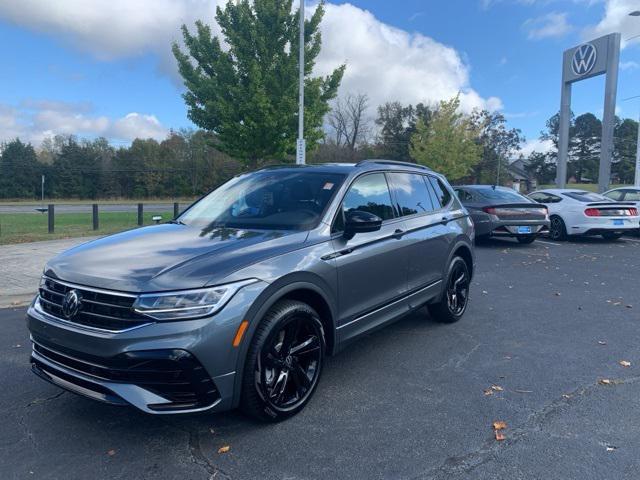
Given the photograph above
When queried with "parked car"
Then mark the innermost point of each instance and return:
(625, 194)
(503, 212)
(579, 212)
(238, 300)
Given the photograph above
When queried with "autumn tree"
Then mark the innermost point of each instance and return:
(448, 144)
(244, 87)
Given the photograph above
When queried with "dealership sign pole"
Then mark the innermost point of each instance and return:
(301, 147)
(597, 57)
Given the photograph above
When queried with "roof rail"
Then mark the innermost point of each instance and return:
(393, 162)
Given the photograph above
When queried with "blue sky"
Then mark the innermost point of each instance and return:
(107, 70)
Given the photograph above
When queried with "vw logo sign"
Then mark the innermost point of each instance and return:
(584, 59)
(71, 304)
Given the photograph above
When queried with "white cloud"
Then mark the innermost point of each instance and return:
(536, 145)
(385, 62)
(33, 121)
(551, 25)
(617, 19)
(630, 65)
(136, 125)
(388, 63)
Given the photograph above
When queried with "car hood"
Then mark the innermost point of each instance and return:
(168, 257)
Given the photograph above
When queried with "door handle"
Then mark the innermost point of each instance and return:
(398, 233)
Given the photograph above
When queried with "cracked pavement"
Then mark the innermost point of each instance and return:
(407, 401)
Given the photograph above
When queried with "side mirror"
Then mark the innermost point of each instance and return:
(358, 221)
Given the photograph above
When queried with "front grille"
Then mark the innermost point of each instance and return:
(173, 374)
(98, 309)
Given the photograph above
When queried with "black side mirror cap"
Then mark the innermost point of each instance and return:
(359, 221)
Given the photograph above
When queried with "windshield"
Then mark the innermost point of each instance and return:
(586, 197)
(267, 200)
(504, 194)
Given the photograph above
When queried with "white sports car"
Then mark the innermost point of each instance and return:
(578, 212)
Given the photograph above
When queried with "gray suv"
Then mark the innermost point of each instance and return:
(237, 301)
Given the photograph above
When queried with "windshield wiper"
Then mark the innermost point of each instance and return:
(176, 222)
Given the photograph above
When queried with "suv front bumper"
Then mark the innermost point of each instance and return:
(160, 368)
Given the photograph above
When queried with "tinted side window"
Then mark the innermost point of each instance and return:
(370, 194)
(443, 195)
(411, 194)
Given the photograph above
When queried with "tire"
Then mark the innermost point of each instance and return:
(526, 239)
(457, 284)
(273, 383)
(611, 236)
(557, 229)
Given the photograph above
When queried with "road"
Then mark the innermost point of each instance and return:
(86, 208)
(546, 322)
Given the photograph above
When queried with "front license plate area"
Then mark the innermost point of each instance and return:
(524, 230)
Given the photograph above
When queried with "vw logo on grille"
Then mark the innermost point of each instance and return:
(584, 59)
(71, 304)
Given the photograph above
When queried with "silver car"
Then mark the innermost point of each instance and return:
(237, 301)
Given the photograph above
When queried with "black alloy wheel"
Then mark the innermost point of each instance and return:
(557, 229)
(285, 358)
(454, 303)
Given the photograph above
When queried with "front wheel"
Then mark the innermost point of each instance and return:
(284, 362)
(453, 304)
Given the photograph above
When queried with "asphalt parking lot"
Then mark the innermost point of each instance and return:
(547, 324)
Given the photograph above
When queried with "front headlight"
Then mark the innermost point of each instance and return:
(187, 304)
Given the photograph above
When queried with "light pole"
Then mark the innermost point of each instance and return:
(300, 144)
(636, 182)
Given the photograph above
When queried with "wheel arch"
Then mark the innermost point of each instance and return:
(305, 288)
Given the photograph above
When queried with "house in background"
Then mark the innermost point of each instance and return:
(522, 180)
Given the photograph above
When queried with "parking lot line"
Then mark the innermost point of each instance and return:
(631, 240)
(548, 243)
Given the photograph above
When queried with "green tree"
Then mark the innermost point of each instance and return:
(541, 167)
(498, 144)
(448, 144)
(397, 124)
(19, 170)
(624, 154)
(247, 93)
(584, 153)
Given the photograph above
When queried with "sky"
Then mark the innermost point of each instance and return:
(104, 67)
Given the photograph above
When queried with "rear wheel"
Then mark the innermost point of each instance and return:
(454, 302)
(526, 239)
(557, 229)
(284, 362)
(611, 235)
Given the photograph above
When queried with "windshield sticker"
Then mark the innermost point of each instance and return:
(328, 186)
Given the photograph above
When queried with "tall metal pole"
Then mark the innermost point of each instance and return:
(300, 145)
(637, 179)
(563, 135)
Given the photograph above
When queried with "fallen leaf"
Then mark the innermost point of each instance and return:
(604, 381)
(497, 388)
(629, 306)
(557, 294)
(499, 436)
(601, 342)
(611, 448)
(111, 453)
(499, 425)
(488, 391)
(224, 449)
(566, 395)
(212, 431)
(484, 292)
(625, 363)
